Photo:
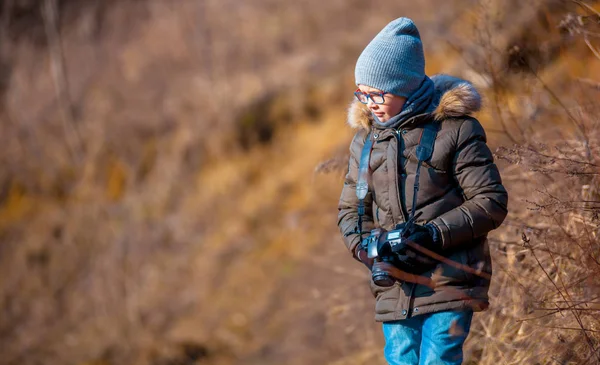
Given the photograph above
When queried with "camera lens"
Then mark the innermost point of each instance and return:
(382, 279)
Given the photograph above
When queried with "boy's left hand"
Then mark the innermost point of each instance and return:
(426, 236)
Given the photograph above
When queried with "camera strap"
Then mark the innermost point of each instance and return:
(362, 184)
(424, 152)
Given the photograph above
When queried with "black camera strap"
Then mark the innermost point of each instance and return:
(424, 152)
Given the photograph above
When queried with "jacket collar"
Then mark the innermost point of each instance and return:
(454, 98)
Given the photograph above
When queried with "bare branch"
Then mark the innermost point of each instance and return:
(59, 75)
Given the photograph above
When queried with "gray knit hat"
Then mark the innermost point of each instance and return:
(393, 61)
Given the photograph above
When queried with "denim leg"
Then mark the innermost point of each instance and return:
(444, 334)
(402, 341)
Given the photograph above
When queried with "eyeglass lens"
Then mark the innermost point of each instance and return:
(364, 98)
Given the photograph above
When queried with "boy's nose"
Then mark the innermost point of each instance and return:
(371, 104)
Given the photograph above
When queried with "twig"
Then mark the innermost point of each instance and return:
(591, 47)
(59, 75)
(543, 250)
(570, 328)
(590, 82)
(528, 148)
(595, 353)
(575, 240)
(564, 107)
(495, 89)
(565, 296)
(542, 316)
(586, 6)
(568, 295)
(568, 308)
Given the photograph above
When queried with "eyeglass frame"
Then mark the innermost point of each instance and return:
(369, 96)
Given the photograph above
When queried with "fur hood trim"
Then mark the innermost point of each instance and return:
(455, 97)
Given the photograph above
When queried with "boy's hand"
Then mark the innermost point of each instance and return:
(411, 259)
(361, 254)
(426, 236)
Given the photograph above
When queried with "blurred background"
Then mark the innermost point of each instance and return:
(170, 171)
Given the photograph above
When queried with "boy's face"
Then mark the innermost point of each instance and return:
(391, 107)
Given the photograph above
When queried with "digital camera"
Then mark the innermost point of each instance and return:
(383, 245)
(395, 248)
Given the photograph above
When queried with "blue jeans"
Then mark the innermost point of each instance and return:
(428, 339)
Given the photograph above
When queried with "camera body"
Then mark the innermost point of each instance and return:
(397, 249)
(383, 245)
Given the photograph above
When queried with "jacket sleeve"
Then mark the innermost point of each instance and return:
(485, 199)
(348, 203)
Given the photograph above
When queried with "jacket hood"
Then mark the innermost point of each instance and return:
(454, 97)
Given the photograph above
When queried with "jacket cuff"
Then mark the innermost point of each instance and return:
(435, 234)
(443, 233)
(355, 247)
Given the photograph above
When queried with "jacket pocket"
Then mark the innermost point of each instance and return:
(453, 273)
(479, 261)
(465, 261)
(384, 292)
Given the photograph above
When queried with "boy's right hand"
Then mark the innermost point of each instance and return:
(361, 254)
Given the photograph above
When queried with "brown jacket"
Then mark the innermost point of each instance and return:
(461, 193)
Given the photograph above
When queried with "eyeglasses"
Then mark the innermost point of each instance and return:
(377, 98)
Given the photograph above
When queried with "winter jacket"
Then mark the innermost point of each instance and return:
(461, 193)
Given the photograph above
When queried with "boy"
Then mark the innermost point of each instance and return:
(428, 285)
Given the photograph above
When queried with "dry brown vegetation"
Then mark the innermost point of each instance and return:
(171, 171)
